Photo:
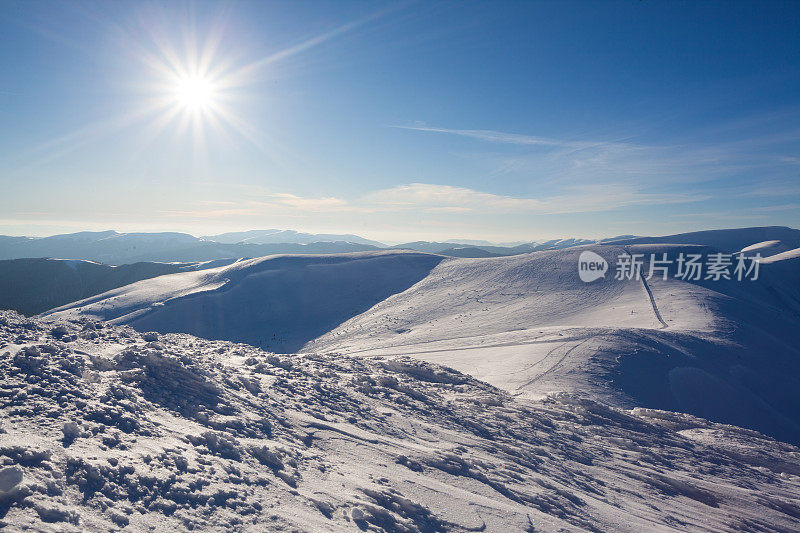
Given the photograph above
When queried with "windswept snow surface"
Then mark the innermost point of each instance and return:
(104, 428)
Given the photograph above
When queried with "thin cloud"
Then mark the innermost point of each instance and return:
(577, 200)
(499, 137)
(310, 204)
(453, 200)
(315, 41)
(558, 161)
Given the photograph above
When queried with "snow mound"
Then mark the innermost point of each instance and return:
(762, 247)
(32, 286)
(105, 428)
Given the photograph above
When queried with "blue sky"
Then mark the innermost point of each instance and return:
(418, 120)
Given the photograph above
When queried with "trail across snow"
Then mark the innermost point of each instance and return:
(643, 277)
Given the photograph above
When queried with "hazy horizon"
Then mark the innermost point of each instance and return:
(389, 242)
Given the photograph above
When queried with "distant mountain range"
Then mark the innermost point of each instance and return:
(277, 236)
(113, 248)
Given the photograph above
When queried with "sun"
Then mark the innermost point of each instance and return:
(194, 93)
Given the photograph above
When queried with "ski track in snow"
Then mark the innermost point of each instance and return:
(642, 277)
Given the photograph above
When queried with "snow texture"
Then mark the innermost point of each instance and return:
(104, 428)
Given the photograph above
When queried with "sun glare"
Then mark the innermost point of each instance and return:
(194, 93)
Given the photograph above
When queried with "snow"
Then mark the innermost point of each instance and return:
(103, 429)
(727, 240)
(280, 302)
(783, 256)
(407, 391)
(761, 247)
(528, 325)
(727, 351)
(32, 286)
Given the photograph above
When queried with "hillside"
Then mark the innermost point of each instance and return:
(527, 324)
(32, 286)
(727, 351)
(276, 302)
(105, 428)
(727, 240)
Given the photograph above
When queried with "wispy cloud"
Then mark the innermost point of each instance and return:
(449, 200)
(565, 161)
(306, 203)
(575, 200)
(772, 208)
(501, 137)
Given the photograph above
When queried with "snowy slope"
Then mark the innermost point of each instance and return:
(527, 324)
(280, 302)
(727, 240)
(104, 428)
(32, 286)
(727, 351)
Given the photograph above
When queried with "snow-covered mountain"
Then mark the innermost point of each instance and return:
(413, 392)
(527, 324)
(726, 240)
(104, 428)
(114, 248)
(102, 246)
(729, 240)
(727, 351)
(277, 302)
